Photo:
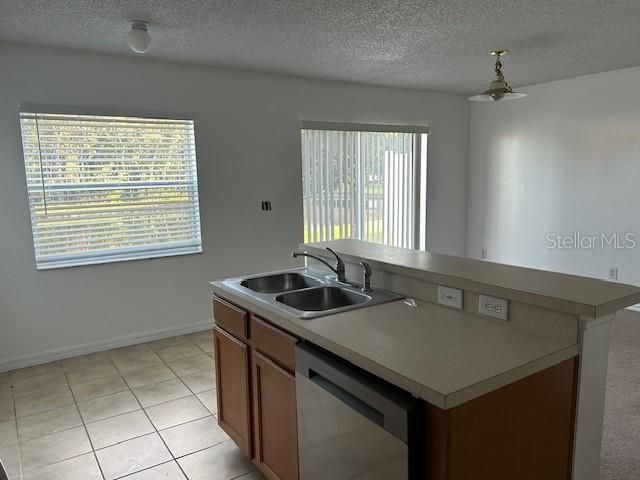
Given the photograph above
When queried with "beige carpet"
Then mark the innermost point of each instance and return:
(621, 440)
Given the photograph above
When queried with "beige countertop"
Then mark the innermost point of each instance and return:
(585, 296)
(443, 356)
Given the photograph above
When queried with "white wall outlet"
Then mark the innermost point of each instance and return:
(613, 273)
(483, 253)
(494, 307)
(451, 297)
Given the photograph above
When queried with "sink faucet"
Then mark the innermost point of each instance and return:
(339, 269)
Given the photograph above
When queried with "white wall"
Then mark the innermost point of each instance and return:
(248, 150)
(565, 159)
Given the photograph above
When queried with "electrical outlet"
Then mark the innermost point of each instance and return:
(450, 297)
(483, 253)
(613, 273)
(493, 307)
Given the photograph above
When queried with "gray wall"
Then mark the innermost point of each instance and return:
(248, 150)
(565, 159)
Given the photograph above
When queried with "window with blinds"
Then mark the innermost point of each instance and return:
(110, 188)
(366, 182)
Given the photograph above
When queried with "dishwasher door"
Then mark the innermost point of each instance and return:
(352, 425)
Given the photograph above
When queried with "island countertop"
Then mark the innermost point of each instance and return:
(446, 357)
(589, 297)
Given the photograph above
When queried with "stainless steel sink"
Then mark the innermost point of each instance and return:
(280, 282)
(322, 298)
(305, 293)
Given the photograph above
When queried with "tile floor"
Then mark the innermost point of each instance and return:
(144, 412)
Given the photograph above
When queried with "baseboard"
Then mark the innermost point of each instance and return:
(635, 308)
(22, 361)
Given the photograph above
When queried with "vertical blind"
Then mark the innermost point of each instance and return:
(361, 184)
(110, 188)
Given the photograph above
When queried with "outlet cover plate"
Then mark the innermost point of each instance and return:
(450, 297)
(493, 307)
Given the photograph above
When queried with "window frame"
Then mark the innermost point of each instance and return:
(142, 252)
(420, 163)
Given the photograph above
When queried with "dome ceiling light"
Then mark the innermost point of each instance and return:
(499, 89)
(139, 38)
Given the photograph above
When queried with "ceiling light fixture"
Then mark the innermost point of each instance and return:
(499, 88)
(139, 38)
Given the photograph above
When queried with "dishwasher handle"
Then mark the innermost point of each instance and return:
(386, 405)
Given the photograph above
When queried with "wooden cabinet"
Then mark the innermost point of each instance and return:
(522, 431)
(233, 388)
(274, 413)
(256, 389)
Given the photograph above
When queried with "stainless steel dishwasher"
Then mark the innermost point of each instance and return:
(353, 425)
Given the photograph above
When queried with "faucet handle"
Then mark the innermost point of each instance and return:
(366, 277)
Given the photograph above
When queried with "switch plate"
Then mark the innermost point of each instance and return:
(450, 297)
(493, 307)
(613, 273)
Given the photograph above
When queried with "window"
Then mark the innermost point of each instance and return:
(109, 188)
(366, 182)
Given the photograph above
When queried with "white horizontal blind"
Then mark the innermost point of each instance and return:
(110, 188)
(362, 185)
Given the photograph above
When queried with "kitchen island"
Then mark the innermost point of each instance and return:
(502, 399)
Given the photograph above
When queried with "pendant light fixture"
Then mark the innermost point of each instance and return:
(499, 88)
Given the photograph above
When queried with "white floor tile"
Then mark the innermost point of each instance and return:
(193, 436)
(53, 448)
(45, 423)
(108, 406)
(175, 412)
(225, 461)
(84, 467)
(110, 431)
(166, 471)
(161, 392)
(8, 434)
(132, 456)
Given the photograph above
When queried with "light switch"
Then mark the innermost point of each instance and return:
(450, 297)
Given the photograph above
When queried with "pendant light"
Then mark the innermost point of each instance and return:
(499, 88)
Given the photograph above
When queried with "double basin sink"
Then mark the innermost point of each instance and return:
(307, 295)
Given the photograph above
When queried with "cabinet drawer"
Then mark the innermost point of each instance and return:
(230, 318)
(273, 342)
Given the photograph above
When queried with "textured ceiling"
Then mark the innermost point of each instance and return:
(432, 44)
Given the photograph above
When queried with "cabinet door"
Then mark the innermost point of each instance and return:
(232, 382)
(274, 407)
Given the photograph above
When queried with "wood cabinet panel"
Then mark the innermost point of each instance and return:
(275, 424)
(273, 343)
(521, 431)
(230, 318)
(233, 388)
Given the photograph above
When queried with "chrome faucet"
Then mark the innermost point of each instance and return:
(339, 269)
(366, 277)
